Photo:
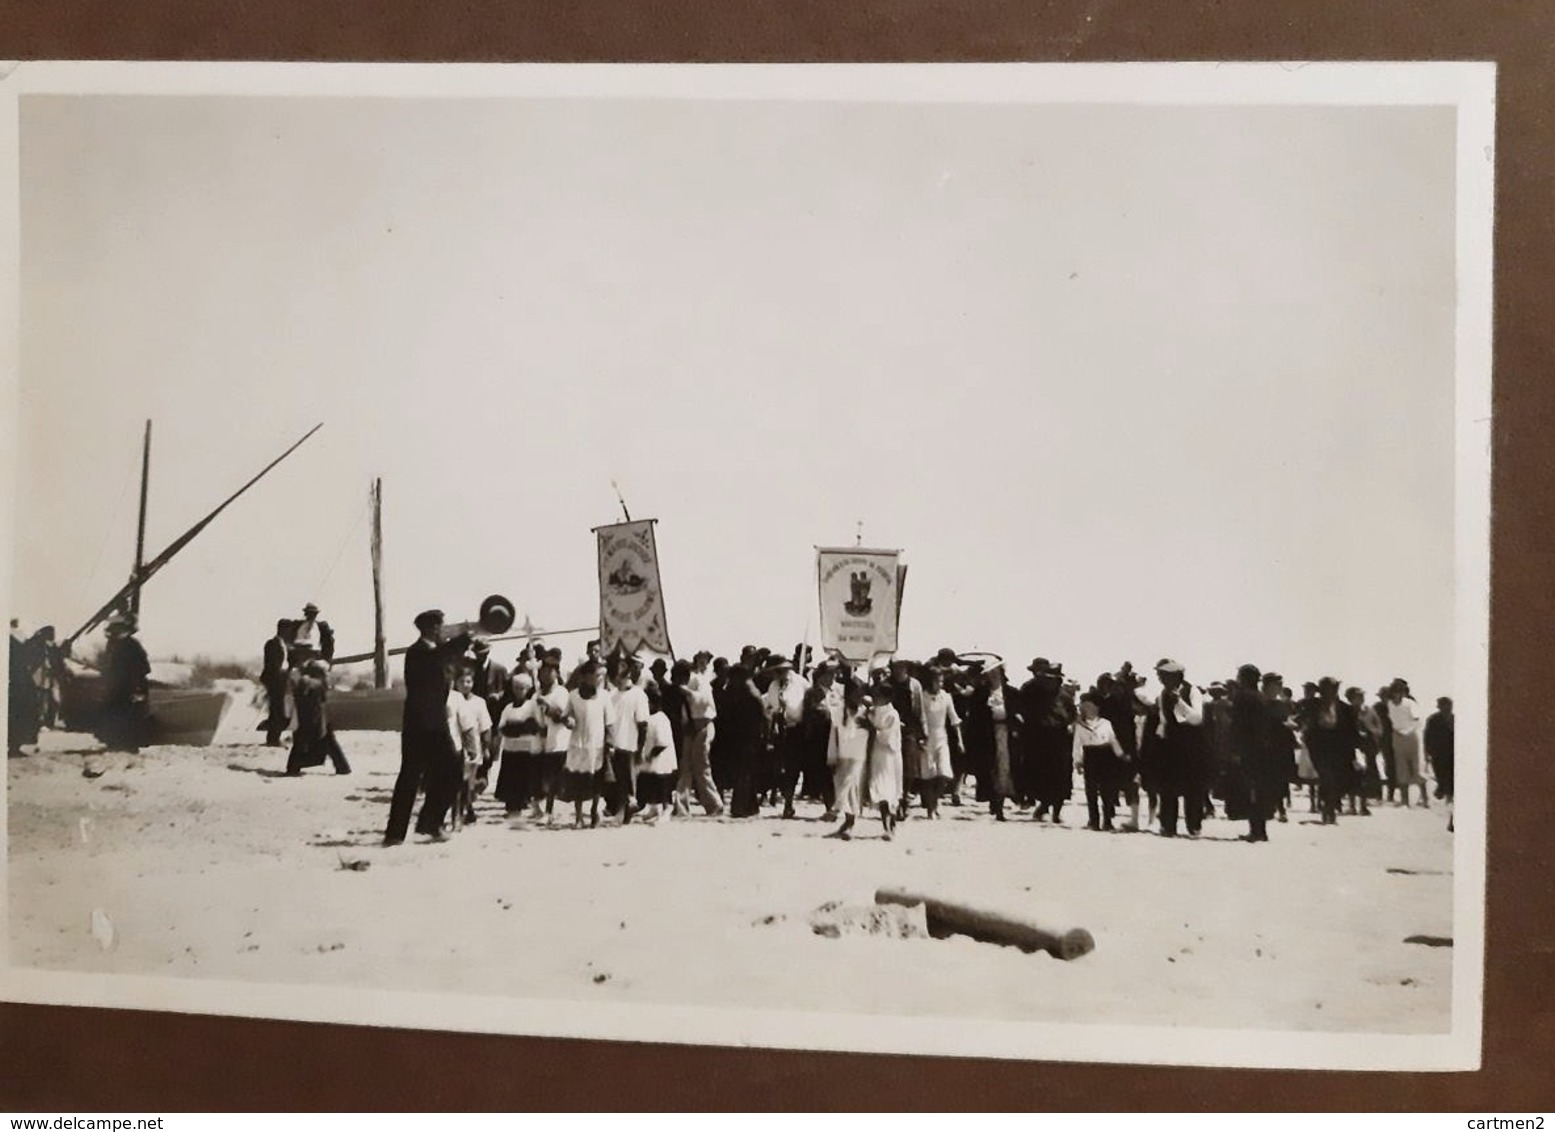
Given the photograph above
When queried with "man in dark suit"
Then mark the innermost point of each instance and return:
(427, 753)
(273, 678)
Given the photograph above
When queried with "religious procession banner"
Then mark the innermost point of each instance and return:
(860, 601)
(631, 602)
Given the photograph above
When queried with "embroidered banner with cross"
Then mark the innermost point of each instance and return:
(631, 603)
(860, 594)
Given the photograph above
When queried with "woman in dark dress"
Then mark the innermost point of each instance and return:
(740, 727)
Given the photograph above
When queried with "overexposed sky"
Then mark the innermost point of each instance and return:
(1122, 381)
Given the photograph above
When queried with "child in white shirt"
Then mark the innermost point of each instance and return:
(469, 725)
(658, 767)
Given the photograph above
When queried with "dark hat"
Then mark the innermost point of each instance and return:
(946, 657)
(480, 646)
(429, 619)
(1042, 666)
(310, 608)
(1328, 682)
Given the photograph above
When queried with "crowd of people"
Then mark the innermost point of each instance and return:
(630, 740)
(635, 740)
(119, 713)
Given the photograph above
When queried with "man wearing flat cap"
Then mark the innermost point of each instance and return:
(1174, 749)
(427, 753)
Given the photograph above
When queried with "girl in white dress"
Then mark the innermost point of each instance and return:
(884, 781)
(847, 754)
(939, 719)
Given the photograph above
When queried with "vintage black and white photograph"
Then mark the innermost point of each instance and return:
(978, 560)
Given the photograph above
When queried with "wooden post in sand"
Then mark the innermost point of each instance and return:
(1022, 930)
(380, 643)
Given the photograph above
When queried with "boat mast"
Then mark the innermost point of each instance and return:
(146, 572)
(380, 642)
(140, 528)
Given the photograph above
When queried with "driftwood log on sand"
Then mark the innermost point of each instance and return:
(1025, 930)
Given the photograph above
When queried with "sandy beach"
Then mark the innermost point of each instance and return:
(206, 863)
